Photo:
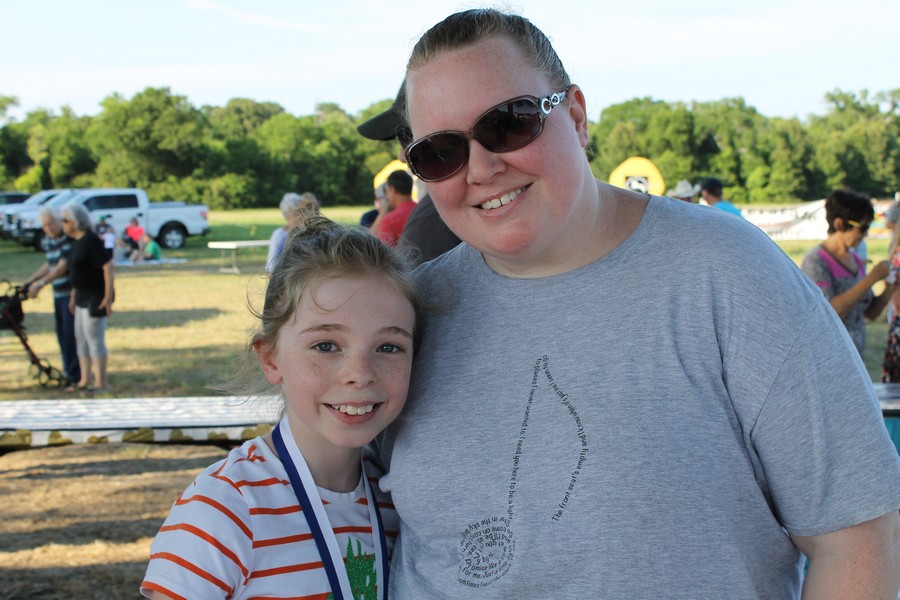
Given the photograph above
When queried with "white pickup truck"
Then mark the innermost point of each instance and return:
(170, 223)
(9, 211)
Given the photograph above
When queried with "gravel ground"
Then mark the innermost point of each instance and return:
(77, 521)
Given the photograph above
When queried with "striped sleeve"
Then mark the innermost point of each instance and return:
(204, 548)
(238, 532)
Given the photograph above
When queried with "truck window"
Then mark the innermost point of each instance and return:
(112, 201)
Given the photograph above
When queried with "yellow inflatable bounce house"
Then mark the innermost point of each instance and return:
(638, 174)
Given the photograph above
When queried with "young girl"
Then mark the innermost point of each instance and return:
(292, 513)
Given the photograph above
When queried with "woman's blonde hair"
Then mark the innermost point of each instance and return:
(464, 29)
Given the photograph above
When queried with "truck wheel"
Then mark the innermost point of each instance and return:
(38, 238)
(172, 236)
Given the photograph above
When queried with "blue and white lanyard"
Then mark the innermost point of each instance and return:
(319, 525)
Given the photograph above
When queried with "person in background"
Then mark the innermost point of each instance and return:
(368, 217)
(890, 364)
(91, 298)
(684, 191)
(295, 208)
(862, 250)
(393, 214)
(102, 226)
(585, 450)
(150, 250)
(293, 513)
(107, 234)
(840, 273)
(131, 238)
(425, 234)
(711, 192)
(892, 215)
(55, 271)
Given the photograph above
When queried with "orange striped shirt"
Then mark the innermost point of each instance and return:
(238, 532)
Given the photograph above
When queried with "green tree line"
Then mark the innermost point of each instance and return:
(247, 153)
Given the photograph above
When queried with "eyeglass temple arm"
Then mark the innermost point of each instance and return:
(552, 100)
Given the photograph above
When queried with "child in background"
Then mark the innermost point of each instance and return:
(107, 234)
(283, 514)
(149, 250)
(109, 241)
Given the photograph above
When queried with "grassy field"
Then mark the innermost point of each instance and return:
(177, 328)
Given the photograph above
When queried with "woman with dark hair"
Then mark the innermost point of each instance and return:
(91, 275)
(839, 271)
(592, 415)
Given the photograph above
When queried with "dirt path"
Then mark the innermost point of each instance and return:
(77, 521)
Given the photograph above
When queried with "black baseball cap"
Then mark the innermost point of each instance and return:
(390, 124)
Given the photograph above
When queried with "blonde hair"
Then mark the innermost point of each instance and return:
(302, 205)
(318, 250)
(467, 28)
(307, 208)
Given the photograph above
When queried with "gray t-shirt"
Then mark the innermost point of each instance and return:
(651, 425)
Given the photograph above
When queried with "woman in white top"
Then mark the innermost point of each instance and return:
(296, 208)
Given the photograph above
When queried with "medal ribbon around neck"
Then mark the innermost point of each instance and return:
(319, 525)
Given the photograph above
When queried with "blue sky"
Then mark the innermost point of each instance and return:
(781, 56)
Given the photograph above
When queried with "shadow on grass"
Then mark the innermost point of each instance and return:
(195, 371)
(160, 317)
(117, 468)
(83, 533)
(111, 580)
(151, 373)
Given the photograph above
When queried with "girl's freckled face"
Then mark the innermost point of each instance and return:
(348, 345)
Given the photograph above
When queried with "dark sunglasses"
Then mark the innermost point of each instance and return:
(67, 220)
(508, 126)
(863, 227)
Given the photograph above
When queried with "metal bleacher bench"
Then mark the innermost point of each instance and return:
(234, 247)
(34, 423)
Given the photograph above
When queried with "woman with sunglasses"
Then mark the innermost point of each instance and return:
(838, 270)
(616, 395)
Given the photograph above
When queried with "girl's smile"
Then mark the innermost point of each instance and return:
(343, 362)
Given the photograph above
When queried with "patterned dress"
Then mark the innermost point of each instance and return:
(834, 278)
